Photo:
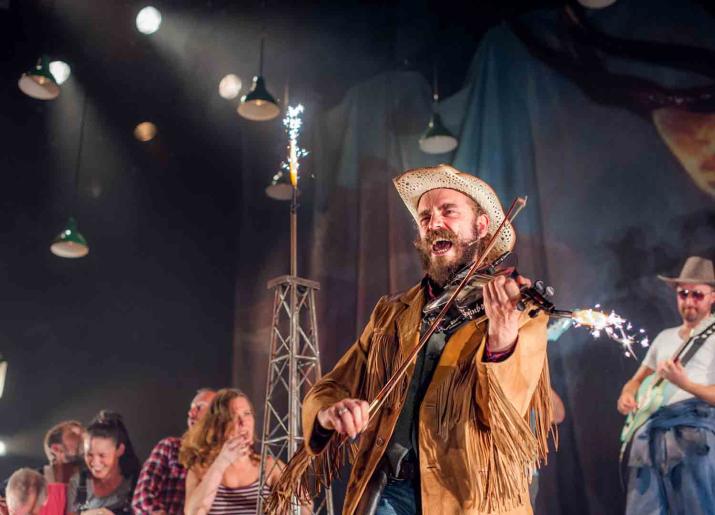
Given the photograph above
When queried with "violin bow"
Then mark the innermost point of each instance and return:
(516, 206)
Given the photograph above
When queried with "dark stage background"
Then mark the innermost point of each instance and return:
(183, 240)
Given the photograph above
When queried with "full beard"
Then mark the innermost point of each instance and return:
(440, 269)
(691, 315)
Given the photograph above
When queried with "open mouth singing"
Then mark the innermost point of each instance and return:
(441, 247)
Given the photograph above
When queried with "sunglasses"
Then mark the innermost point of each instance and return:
(697, 295)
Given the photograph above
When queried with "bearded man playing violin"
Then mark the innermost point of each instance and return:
(454, 436)
(672, 457)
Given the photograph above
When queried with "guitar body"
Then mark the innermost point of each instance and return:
(650, 398)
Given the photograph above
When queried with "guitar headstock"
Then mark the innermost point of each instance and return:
(707, 325)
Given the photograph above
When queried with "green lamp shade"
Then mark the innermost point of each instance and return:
(39, 82)
(437, 139)
(280, 187)
(258, 105)
(70, 243)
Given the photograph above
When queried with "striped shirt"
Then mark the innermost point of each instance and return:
(237, 501)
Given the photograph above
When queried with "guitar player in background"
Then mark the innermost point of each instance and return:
(672, 459)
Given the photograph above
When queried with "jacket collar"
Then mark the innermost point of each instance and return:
(409, 320)
(413, 295)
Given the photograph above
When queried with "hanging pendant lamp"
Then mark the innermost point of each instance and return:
(280, 187)
(70, 243)
(437, 139)
(258, 104)
(39, 82)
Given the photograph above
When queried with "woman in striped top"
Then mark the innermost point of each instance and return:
(223, 467)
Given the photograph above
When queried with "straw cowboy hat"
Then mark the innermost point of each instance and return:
(414, 183)
(696, 270)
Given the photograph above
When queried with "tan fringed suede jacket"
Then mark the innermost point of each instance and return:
(476, 449)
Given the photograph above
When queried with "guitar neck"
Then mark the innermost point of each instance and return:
(678, 353)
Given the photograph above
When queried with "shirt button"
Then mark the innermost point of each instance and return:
(380, 441)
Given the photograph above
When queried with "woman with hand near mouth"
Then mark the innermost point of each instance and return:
(105, 487)
(218, 451)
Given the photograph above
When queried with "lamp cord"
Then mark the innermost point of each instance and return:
(263, 37)
(260, 58)
(78, 161)
(435, 81)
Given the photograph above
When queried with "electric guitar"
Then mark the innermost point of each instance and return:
(654, 392)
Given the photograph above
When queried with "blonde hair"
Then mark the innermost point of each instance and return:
(201, 444)
(22, 484)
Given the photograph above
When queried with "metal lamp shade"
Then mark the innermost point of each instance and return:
(70, 243)
(3, 374)
(280, 187)
(258, 105)
(437, 139)
(39, 82)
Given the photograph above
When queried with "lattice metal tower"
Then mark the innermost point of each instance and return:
(293, 368)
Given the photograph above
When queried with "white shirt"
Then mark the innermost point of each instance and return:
(700, 368)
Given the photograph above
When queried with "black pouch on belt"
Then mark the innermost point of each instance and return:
(373, 491)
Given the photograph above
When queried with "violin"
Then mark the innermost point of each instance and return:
(468, 304)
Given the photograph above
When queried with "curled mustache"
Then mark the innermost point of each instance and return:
(434, 235)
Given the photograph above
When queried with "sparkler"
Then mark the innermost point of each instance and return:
(612, 325)
(293, 123)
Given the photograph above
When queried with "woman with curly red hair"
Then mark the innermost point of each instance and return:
(219, 454)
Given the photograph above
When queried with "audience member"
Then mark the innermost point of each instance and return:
(105, 488)
(63, 447)
(223, 466)
(26, 493)
(161, 486)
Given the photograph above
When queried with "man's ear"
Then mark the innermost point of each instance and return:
(482, 225)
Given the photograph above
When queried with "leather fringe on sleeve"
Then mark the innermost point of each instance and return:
(305, 475)
(508, 452)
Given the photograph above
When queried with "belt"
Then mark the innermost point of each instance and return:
(406, 469)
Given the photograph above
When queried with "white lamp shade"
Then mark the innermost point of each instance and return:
(39, 87)
(438, 144)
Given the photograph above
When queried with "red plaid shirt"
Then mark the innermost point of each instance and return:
(162, 481)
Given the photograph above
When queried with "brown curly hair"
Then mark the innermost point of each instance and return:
(201, 444)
